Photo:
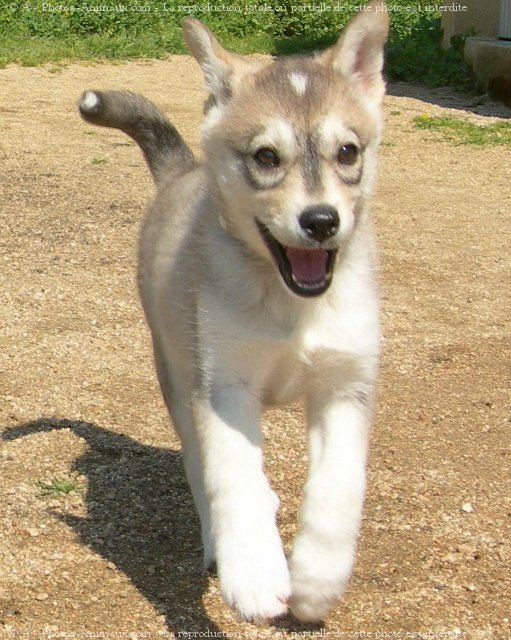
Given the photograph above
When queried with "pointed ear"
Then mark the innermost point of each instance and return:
(219, 66)
(358, 54)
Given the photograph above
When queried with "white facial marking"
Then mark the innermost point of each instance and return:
(281, 132)
(298, 82)
(278, 134)
(211, 119)
(333, 131)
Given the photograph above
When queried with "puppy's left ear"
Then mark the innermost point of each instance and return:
(358, 54)
(221, 69)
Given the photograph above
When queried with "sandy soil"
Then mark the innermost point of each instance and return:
(120, 555)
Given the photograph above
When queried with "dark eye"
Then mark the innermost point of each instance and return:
(266, 157)
(347, 154)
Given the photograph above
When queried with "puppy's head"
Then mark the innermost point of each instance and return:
(291, 145)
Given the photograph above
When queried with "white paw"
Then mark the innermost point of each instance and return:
(318, 578)
(254, 578)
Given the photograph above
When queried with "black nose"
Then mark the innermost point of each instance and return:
(320, 222)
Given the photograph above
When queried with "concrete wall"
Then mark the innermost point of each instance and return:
(489, 57)
(481, 15)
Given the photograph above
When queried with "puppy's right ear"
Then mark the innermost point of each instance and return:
(221, 69)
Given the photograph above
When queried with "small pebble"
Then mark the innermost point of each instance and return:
(42, 596)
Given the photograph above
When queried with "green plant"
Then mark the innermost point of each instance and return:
(460, 131)
(58, 486)
(102, 30)
(417, 55)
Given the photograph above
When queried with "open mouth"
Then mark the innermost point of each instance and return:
(307, 272)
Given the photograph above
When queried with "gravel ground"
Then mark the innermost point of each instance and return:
(119, 555)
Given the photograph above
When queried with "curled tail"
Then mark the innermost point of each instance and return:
(163, 148)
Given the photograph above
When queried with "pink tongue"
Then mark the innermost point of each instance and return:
(307, 265)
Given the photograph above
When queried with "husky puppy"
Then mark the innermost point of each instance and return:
(257, 277)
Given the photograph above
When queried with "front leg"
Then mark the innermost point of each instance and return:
(252, 567)
(323, 553)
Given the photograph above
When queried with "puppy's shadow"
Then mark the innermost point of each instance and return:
(140, 516)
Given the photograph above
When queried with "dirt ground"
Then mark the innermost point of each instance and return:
(120, 555)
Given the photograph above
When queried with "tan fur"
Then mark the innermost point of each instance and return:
(257, 277)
